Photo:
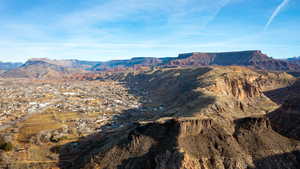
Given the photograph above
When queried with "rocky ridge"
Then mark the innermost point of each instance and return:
(195, 143)
(254, 58)
(213, 117)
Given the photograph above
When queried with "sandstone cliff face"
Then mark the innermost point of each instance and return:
(242, 58)
(196, 143)
(253, 58)
(212, 118)
(229, 91)
(242, 90)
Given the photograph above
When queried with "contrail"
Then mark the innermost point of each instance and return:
(276, 12)
(220, 6)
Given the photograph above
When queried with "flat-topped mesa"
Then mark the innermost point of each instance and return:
(252, 58)
(248, 52)
(245, 58)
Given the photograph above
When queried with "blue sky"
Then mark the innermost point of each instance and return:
(119, 29)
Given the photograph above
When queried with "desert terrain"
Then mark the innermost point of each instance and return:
(196, 116)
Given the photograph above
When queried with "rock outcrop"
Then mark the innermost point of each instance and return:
(193, 143)
(213, 118)
(223, 90)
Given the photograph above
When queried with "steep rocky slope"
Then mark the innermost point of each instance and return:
(232, 91)
(211, 117)
(286, 119)
(194, 143)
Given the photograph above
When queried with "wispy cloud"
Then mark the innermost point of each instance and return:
(276, 12)
(115, 29)
(96, 29)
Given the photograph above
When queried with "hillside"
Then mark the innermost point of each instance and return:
(209, 117)
(187, 91)
(286, 119)
(134, 62)
(36, 69)
(212, 117)
(71, 63)
(192, 144)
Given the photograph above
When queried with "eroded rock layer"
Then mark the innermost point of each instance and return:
(196, 143)
(212, 118)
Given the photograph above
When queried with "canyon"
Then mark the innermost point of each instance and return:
(199, 110)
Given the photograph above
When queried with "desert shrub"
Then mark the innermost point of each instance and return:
(56, 149)
(6, 146)
(58, 139)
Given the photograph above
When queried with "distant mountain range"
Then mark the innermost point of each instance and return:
(137, 61)
(9, 65)
(43, 67)
(295, 60)
(46, 68)
(35, 69)
(254, 58)
(71, 63)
